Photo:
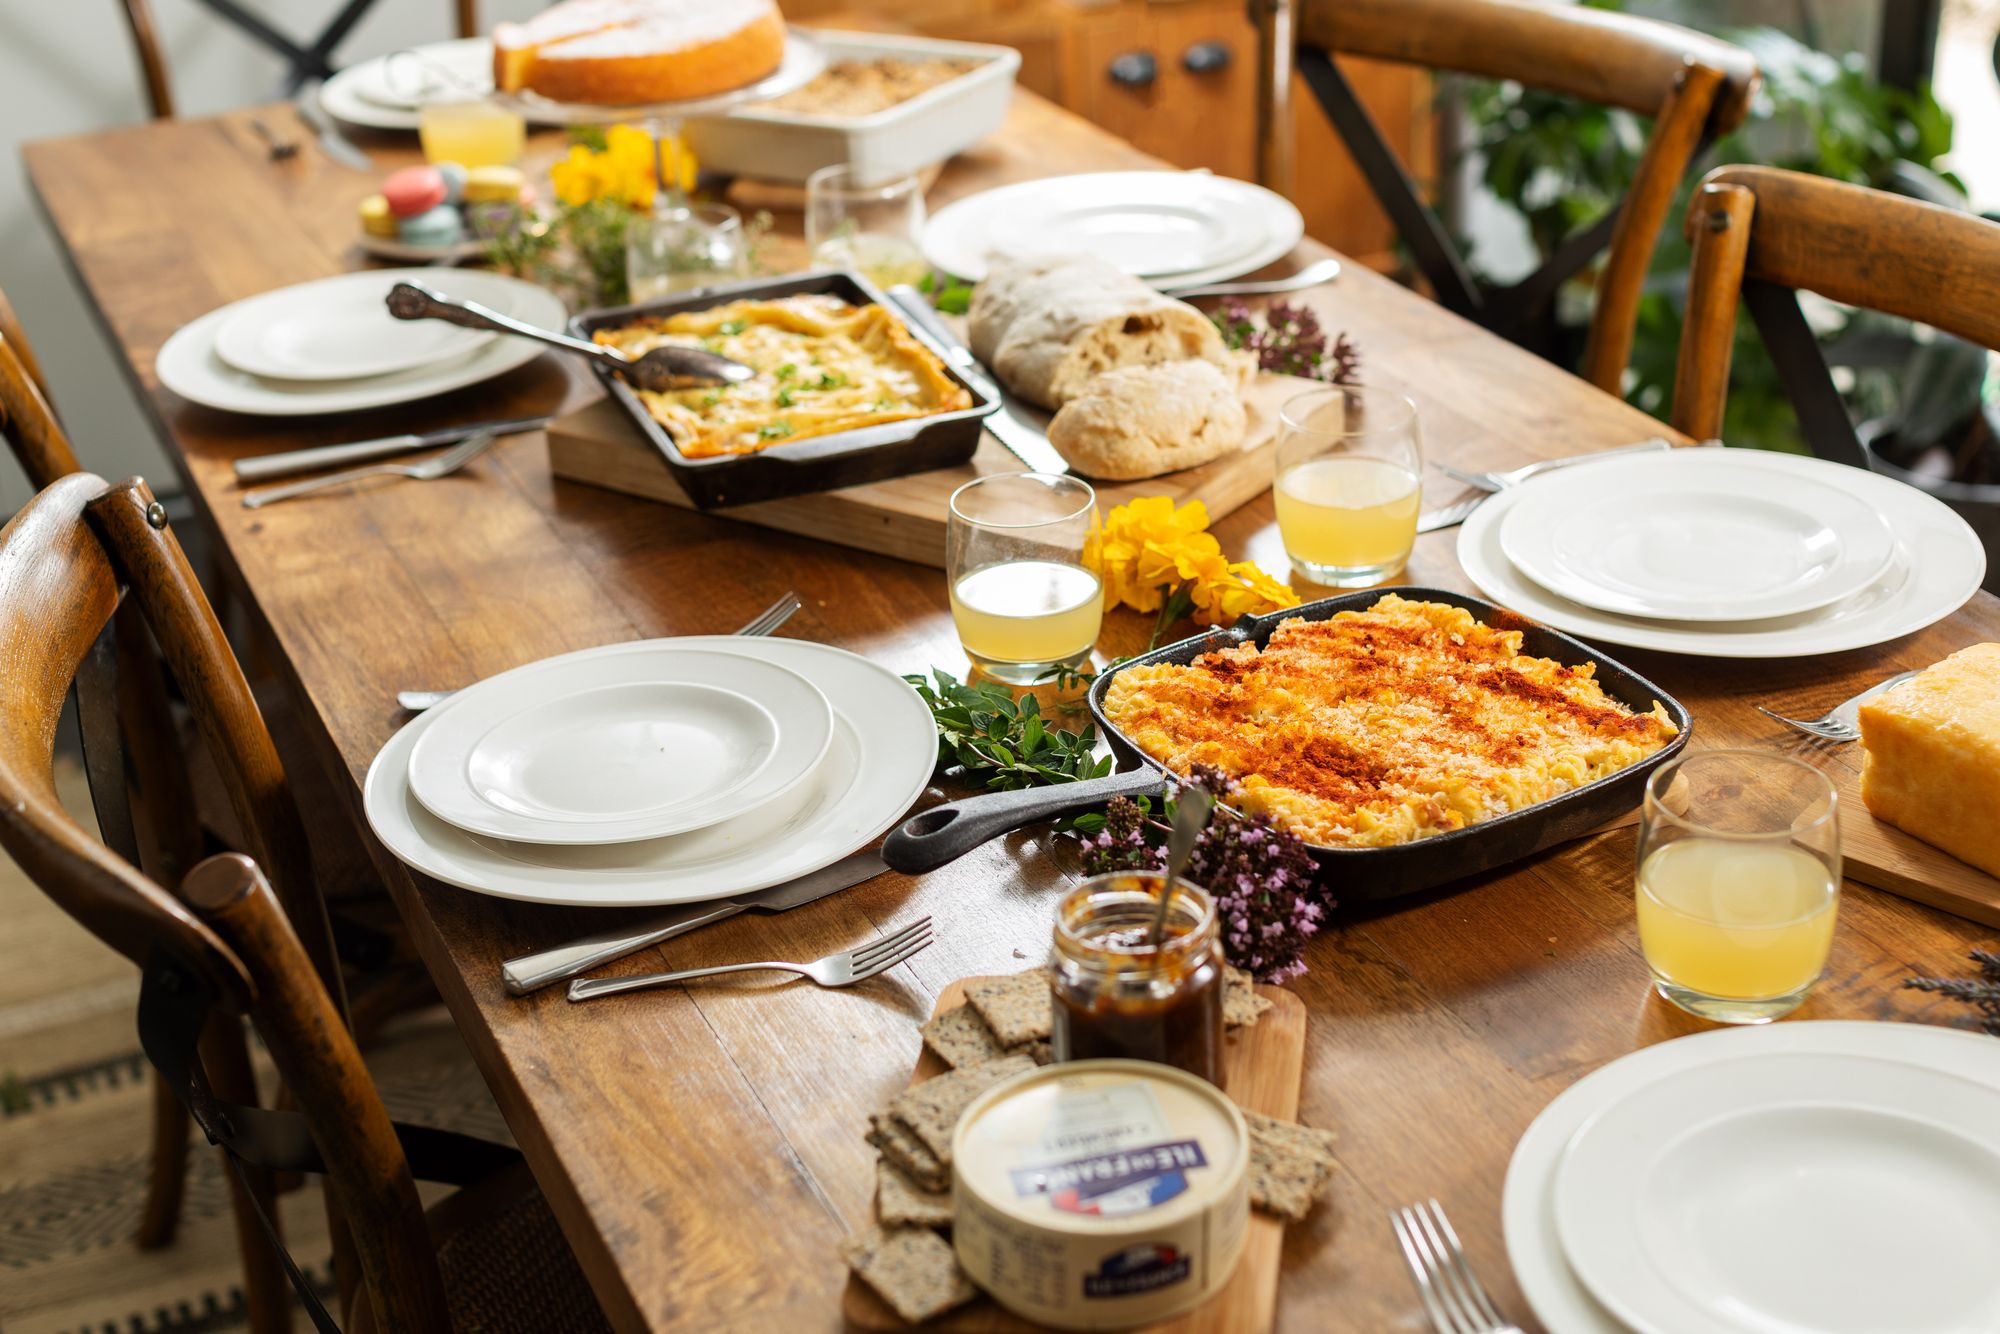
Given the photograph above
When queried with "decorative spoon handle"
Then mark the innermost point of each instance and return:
(414, 301)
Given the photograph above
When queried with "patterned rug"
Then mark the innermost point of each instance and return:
(75, 1119)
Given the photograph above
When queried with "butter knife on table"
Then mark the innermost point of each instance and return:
(1018, 424)
(292, 461)
(531, 972)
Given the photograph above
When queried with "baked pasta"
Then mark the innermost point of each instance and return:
(822, 365)
(1382, 726)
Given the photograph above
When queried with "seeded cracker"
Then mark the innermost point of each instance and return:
(962, 1038)
(1241, 1005)
(911, 1267)
(906, 1151)
(932, 1108)
(900, 1199)
(1017, 1007)
(1290, 1165)
(1039, 1051)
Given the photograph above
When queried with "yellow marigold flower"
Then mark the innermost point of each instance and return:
(625, 171)
(1146, 549)
(1246, 591)
(578, 178)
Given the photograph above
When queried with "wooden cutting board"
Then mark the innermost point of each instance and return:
(1262, 1066)
(904, 516)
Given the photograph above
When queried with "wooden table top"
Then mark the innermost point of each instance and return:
(703, 1148)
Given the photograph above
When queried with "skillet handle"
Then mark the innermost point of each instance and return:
(929, 839)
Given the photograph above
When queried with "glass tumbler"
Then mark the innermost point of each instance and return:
(1347, 491)
(1020, 595)
(683, 248)
(1739, 882)
(870, 223)
(472, 132)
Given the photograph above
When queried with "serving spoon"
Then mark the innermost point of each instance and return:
(661, 370)
(1191, 811)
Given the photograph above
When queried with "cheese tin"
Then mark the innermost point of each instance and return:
(1100, 1194)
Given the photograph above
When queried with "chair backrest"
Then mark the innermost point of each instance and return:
(62, 561)
(27, 415)
(1695, 88)
(152, 61)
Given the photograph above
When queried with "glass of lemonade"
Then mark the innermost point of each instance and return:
(1020, 595)
(1347, 493)
(472, 132)
(1739, 882)
(870, 223)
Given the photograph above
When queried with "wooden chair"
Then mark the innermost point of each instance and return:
(223, 948)
(1694, 87)
(1769, 234)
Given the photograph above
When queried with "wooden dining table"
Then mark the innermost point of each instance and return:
(702, 1146)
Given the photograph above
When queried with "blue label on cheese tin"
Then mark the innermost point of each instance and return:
(1115, 1183)
(1141, 1268)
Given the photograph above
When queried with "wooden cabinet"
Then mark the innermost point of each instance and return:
(1178, 78)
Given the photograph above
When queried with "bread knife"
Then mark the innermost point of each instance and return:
(1019, 425)
(530, 972)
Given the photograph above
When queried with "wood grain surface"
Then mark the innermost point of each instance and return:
(702, 1147)
(1261, 1066)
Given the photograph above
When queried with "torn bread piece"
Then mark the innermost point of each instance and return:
(902, 1200)
(912, 1268)
(932, 1108)
(1290, 1165)
(1016, 1007)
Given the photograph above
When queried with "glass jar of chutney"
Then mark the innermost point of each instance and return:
(1117, 994)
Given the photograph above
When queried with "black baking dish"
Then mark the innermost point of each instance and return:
(822, 463)
(1354, 875)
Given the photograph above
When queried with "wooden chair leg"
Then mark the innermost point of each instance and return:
(267, 1293)
(166, 1180)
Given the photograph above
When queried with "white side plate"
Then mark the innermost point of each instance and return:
(337, 329)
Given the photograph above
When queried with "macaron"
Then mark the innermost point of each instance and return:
(413, 191)
(376, 220)
(440, 226)
(454, 180)
(493, 185)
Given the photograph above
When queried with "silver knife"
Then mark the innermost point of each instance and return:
(294, 461)
(530, 972)
(1019, 425)
(331, 141)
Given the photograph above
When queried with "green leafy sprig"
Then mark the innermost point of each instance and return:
(987, 737)
(951, 295)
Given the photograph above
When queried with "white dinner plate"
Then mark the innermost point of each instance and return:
(338, 329)
(1790, 1193)
(883, 751)
(1559, 1298)
(1173, 228)
(382, 97)
(615, 748)
(188, 364)
(1937, 565)
(1710, 537)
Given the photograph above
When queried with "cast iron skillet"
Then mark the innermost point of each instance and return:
(941, 834)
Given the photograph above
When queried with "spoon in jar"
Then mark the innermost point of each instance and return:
(1191, 811)
(661, 370)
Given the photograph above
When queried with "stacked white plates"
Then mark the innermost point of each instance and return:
(1805, 1178)
(332, 346)
(1727, 553)
(390, 92)
(662, 771)
(1172, 228)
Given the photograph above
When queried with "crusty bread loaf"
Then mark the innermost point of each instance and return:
(1048, 324)
(1141, 421)
(616, 52)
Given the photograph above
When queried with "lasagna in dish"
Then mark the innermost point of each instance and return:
(822, 365)
(1378, 727)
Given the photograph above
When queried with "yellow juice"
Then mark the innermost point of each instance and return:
(1027, 611)
(886, 260)
(1348, 513)
(1743, 921)
(472, 134)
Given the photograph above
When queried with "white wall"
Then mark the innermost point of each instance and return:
(67, 67)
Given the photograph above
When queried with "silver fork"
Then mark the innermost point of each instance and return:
(1843, 721)
(1450, 1291)
(765, 622)
(432, 468)
(1500, 481)
(835, 970)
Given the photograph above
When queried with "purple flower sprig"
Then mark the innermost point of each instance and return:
(1981, 992)
(1289, 341)
(1262, 877)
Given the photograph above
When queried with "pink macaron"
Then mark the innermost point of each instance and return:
(414, 190)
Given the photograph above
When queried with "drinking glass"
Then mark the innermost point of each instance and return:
(1347, 491)
(870, 223)
(1020, 595)
(683, 248)
(1739, 882)
(474, 132)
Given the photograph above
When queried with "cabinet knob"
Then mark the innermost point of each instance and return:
(1205, 57)
(1135, 69)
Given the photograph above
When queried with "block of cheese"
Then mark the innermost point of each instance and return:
(619, 52)
(1932, 766)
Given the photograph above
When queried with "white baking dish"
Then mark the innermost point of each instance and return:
(790, 146)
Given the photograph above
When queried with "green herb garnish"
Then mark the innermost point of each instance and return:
(951, 295)
(774, 430)
(987, 737)
(786, 371)
(730, 328)
(831, 380)
(785, 397)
